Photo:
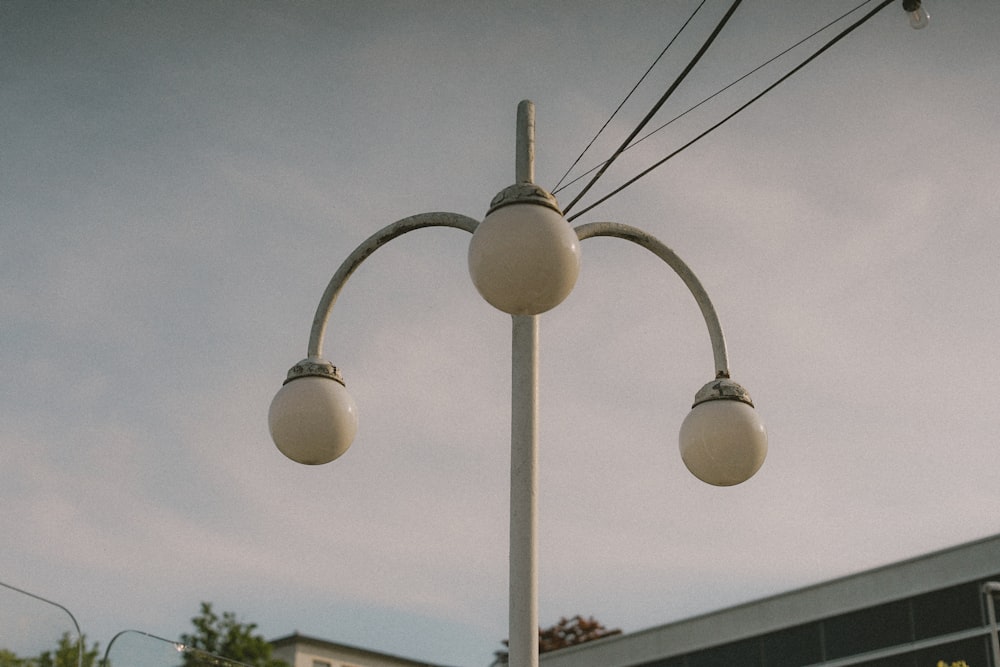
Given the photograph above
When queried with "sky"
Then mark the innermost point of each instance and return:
(179, 180)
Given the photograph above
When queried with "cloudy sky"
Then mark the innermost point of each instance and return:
(179, 180)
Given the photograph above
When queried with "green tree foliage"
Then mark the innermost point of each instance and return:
(66, 654)
(567, 632)
(10, 659)
(228, 637)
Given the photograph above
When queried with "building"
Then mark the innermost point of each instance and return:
(915, 613)
(302, 651)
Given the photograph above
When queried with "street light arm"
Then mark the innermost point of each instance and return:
(654, 245)
(363, 252)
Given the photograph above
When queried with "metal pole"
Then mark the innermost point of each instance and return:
(523, 642)
(523, 602)
(525, 156)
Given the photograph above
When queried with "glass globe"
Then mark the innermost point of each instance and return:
(313, 419)
(723, 442)
(524, 258)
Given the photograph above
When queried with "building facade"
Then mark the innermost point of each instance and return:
(916, 613)
(302, 651)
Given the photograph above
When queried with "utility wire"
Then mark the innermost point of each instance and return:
(627, 97)
(822, 49)
(656, 107)
(715, 94)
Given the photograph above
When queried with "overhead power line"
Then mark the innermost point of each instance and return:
(627, 97)
(756, 69)
(815, 55)
(656, 107)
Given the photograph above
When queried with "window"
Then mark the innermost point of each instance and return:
(975, 652)
(792, 647)
(868, 629)
(947, 610)
(904, 660)
(744, 653)
(666, 662)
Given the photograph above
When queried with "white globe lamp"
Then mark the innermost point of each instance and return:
(313, 419)
(722, 440)
(524, 257)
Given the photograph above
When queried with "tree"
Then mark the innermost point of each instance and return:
(567, 632)
(9, 659)
(228, 637)
(68, 654)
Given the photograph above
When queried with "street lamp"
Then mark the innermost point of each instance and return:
(524, 258)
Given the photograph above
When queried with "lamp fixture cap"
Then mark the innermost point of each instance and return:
(314, 367)
(524, 193)
(722, 389)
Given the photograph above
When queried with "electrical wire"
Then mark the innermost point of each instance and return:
(627, 97)
(656, 107)
(715, 94)
(815, 55)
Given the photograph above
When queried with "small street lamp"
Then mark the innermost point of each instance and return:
(524, 259)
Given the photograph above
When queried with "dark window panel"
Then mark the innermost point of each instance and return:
(947, 610)
(868, 629)
(905, 660)
(744, 653)
(666, 662)
(792, 647)
(974, 651)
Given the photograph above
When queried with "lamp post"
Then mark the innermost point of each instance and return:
(524, 258)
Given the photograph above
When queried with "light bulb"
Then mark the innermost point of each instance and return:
(919, 19)
(313, 419)
(918, 16)
(524, 258)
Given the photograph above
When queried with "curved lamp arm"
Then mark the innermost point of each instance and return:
(655, 246)
(363, 252)
(312, 418)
